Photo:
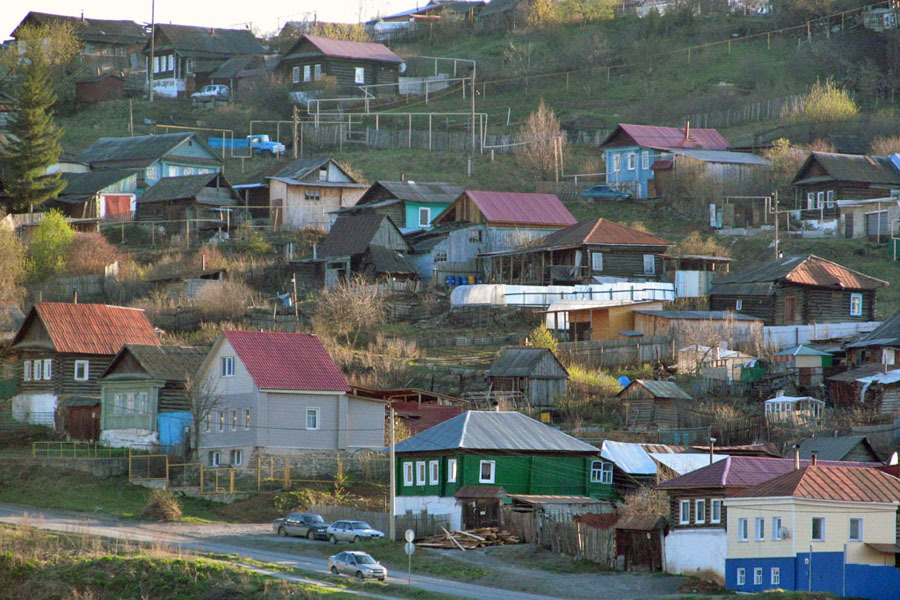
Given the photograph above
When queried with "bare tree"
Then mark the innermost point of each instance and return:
(205, 397)
(348, 308)
(544, 142)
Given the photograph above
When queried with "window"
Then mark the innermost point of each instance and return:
(207, 421)
(607, 477)
(757, 576)
(237, 458)
(152, 172)
(811, 200)
(629, 161)
(739, 304)
(820, 200)
(440, 256)
(221, 417)
(741, 577)
(649, 264)
(119, 404)
(829, 199)
(684, 514)
(742, 530)
(475, 236)
(143, 403)
(596, 261)
(818, 529)
(715, 510)
(317, 70)
(760, 529)
(189, 65)
(234, 419)
(156, 64)
(312, 418)
(645, 160)
(424, 216)
(323, 174)
(700, 512)
(295, 75)
(420, 473)
(314, 195)
(307, 73)
(129, 403)
(856, 305)
(227, 366)
(856, 530)
(246, 418)
(407, 473)
(451, 470)
(597, 471)
(26, 373)
(775, 576)
(776, 528)
(36, 370)
(434, 472)
(48, 369)
(214, 459)
(616, 163)
(486, 472)
(359, 75)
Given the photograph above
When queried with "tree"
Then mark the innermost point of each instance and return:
(205, 397)
(49, 247)
(696, 244)
(785, 159)
(540, 337)
(348, 308)
(58, 47)
(12, 267)
(825, 103)
(544, 142)
(541, 13)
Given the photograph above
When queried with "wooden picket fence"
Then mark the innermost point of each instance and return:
(616, 353)
(574, 539)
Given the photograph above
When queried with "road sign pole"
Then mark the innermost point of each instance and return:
(409, 548)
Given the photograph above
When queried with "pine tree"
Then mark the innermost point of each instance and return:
(34, 144)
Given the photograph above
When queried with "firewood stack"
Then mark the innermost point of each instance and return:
(469, 540)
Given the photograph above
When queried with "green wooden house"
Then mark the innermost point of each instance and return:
(484, 457)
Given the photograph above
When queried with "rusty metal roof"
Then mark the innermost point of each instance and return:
(599, 231)
(89, 328)
(640, 523)
(820, 482)
(669, 138)
(521, 209)
(801, 270)
(352, 50)
(480, 491)
(539, 499)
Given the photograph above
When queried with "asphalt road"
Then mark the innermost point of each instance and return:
(141, 533)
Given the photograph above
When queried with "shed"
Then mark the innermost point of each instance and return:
(535, 373)
(206, 200)
(595, 319)
(480, 505)
(693, 274)
(854, 448)
(706, 327)
(797, 410)
(79, 417)
(650, 403)
(639, 538)
(809, 363)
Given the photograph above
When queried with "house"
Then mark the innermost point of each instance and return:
(855, 448)
(107, 194)
(106, 45)
(818, 529)
(636, 155)
(480, 222)
(826, 177)
(410, 204)
(280, 394)
(698, 517)
(650, 403)
(693, 275)
(146, 399)
(633, 468)
(466, 464)
(594, 320)
(534, 374)
(314, 61)
(797, 290)
(99, 88)
(872, 218)
(206, 200)
(577, 254)
(155, 156)
(713, 362)
(803, 411)
(808, 363)
(880, 346)
(851, 388)
(62, 350)
(185, 56)
(708, 327)
(304, 192)
(399, 24)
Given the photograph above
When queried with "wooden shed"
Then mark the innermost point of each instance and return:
(480, 505)
(107, 86)
(535, 373)
(705, 327)
(870, 386)
(640, 540)
(650, 403)
(595, 320)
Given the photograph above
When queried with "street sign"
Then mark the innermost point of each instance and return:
(410, 535)
(409, 547)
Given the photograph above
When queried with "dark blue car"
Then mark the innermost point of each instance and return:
(604, 192)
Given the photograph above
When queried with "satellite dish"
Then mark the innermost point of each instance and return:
(403, 67)
(783, 533)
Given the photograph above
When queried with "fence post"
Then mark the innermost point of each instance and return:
(129, 463)
(231, 481)
(286, 484)
(201, 478)
(167, 471)
(258, 473)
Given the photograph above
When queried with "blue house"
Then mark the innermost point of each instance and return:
(411, 205)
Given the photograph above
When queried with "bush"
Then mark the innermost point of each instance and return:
(697, 244)
(49, 247)
(12, 268)
(223, 300)
(882, 146)
(161, 506)
(603, 384)
(825, 103)
(90, 253)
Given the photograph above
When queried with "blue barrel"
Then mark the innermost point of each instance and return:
(451, 281)
(479, 279)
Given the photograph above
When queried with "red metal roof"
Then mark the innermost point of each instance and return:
(287, 361)
(357, 50)
(823, 482)
(668, 138)
(90, 328)
(521, 209)
(818, 271)
(419, 417)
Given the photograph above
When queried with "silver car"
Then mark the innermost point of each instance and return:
(308, 525)
(352, 531)
(356, 563)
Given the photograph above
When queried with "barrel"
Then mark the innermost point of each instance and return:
(451, 281)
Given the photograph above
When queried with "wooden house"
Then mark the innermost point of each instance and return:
(577, 254)
(191, 202)
(63, 349)
(154, 156)
(798, 290)
(145, 398)
(312, 59)
(704, 327)
(534, 373)
(594, 320)
(808, 363)
(650, 404)
(410, 204)
(185, 56)
(854, 448)
(304, 193)
(871, 386)
(483, 455)
(880, 346)
(106, 194)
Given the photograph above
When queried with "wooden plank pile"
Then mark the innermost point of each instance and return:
(469, 540)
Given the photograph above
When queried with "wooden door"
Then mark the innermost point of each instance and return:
(790, 310)
(84, 423)
(643, 551)
(848, 225)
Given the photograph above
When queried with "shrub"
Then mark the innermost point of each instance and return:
(882, 146)
(285, 502)
(250, 241)
(694, 243)
(603, 384)
(540, 337)
(221, 300)
(90, 253)
(161, 506)
(12, 268)
(825, 103)
(47, 252)
(544, 142)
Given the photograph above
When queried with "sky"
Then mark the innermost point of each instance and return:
(265, 16)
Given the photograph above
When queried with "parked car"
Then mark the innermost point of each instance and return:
(604, 192)
(212, 91)
(359, 564)
(352, 531)
(308, 525)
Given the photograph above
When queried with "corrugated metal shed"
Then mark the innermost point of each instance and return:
(802, 270)
(352, 50)
(631, 458)
(521, 362)
(668, 138)
(598, 231)
(496, 431)
(820, 482)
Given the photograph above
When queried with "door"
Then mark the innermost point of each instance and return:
(877, 227)
(790, 309)
(848, 226)
(84, 423)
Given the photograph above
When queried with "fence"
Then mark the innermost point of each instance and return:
(423, 524)
(793, 335)
(75, 449)
(617, 353)
(383, 138)
(577, 540)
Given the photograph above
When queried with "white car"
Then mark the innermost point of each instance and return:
(212, 91)
(352, 531)
(359, 564)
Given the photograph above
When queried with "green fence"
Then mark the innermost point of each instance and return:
(75, 450)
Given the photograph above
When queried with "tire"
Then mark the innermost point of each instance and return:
(381, 579)
(360, 576)
(266, 154)
(282, 532)
(332, 539)
(310, 535)
(355, 539)
(334, 571)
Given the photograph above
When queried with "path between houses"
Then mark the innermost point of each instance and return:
(514, 572)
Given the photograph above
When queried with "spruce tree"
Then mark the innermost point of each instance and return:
(34, 144)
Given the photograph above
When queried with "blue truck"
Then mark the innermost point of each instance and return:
(259, 144)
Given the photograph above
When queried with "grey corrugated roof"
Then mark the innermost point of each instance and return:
(519, 362)
(234, 65)
(830, 448)
(802, 350)
(351, 234)
(181, 188)
(888, 330)
(388, 260)
(705, 315)
(723, 156)
(494, 431)
(661, 389)
(301, 167)
(631, 458)
(148, 147)
(425, 192)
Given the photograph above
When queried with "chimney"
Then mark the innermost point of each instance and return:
(402, 176)
(687, 130)
(814, 452)
(74, 296)
(712, 443)
(796, 457)
(315, 251)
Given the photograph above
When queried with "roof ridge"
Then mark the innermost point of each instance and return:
(465, 428)
(726, 470)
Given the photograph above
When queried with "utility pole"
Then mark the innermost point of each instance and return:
(776, 224)
(294, 114)
(392, 530)
(152, 46)
(472, 121)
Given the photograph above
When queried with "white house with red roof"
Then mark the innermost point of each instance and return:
(273, 393)
(636, 154)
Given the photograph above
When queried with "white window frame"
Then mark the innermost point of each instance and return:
(715, 510)
(829, 199)
(434, 472)
(597, 261)
(227, 363)
(759, 529)
(493, 467)
(317, 72)
(859, 532)
(775, 576)
(650, 266)
(812, 529)
(743, 532)
(37, 370)
(820, 200)
(810, 200)
(616, 163)
(739, 304)
(215, 459)
(323, 174)
(741, 576)
(421, 472)
(645, 160)
(207, 419)
(48, 369)
(295, 75)
(596, 471)
(856, 305)
(26, 373)
(314, 411)
(684, 518)
(246, 419)
(427, 212)
(359, 75)
(156, 64)
(607, 475)
(234, 419)
(757, 576)
(221, 417)
(776, 528)
(700, 511)
(629, 161)
(451, 470)
(408, 472)
(143, 403)
(86, 366)
(307, 73)
(237, 457)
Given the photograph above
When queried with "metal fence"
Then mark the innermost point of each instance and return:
(76, 449)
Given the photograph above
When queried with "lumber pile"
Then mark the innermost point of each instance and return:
(469, 540)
